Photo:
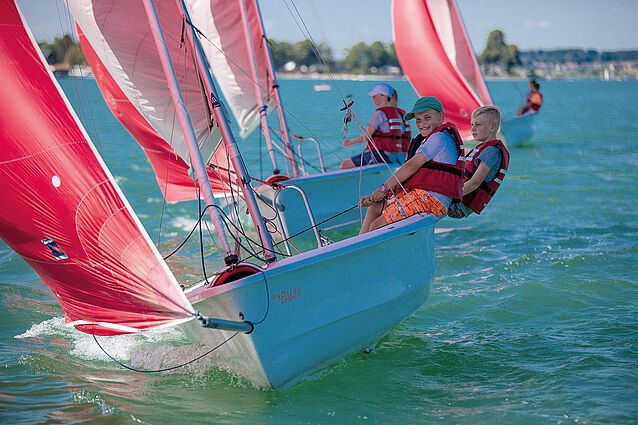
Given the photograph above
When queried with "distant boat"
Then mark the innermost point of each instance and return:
(322, 87)
(437, 57)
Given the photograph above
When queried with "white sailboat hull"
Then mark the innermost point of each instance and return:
(320, 306)
(516, 131)
(519, 129)
(328, 194)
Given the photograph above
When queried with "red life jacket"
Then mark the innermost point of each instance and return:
(478, 199)
(394, 140)
(535, 107)
(446, 179)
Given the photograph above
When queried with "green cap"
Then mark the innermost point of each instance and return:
(423, 104)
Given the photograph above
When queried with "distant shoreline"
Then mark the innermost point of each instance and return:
(374, 77)
(364, 77)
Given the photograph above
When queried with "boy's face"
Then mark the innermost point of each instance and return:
(482, 128)
(379, 100)
(427, 121)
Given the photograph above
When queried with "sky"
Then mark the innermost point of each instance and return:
(531, 24)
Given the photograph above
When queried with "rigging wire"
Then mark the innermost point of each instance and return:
(168, 166)
(168, 368)
(71, 32)
(249, 76)
(349, 106)
(260, 321)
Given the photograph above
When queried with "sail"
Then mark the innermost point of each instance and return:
(171, 171)
(119, 33)
(226, 49)
(437, 57)
(464, 58)
(62, 210)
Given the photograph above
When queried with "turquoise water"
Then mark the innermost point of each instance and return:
(532, 318)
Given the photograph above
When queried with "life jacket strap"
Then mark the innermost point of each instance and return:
(486, 188)
(442, 167)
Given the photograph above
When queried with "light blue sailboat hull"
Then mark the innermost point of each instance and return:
(518, 130)
(318, 307)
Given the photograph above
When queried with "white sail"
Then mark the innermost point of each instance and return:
(119, 33)
(226, 49)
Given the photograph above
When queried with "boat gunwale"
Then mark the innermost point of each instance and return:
(420, 222)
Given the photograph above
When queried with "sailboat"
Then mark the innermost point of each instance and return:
(273, 320)
(436, 55)
(238, 52)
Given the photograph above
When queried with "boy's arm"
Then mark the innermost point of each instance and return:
(406, 171)
(479, 176)
(364, 137)
(403, 173)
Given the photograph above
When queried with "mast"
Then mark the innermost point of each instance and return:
(275, 89)
(187, 128)
(258, 94)
(229, 139)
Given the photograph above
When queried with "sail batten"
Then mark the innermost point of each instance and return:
(63, 211)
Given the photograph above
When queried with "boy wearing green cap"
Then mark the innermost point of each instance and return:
(431, 177)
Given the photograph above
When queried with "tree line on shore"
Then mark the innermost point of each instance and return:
(377, 57)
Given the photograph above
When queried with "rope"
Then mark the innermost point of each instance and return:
(168, 368)
(71, 32)
(202, 355)
(225, 220)
(201, 238)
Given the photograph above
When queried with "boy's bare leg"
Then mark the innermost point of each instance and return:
(373, 212)
(379, 222)
(347, 163)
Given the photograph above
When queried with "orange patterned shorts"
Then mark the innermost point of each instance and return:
(412, 201)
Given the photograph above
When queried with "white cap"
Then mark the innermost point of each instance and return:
(381, 88)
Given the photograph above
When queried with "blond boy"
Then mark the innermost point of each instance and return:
(485, 165)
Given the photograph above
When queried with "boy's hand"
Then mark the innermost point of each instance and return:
(377, 196)
(365, 201)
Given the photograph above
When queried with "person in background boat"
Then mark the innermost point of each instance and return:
(485, 165)
(386, 128)
(534, 99)
(431, 177)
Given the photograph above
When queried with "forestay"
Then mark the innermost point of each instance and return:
(67, 217)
